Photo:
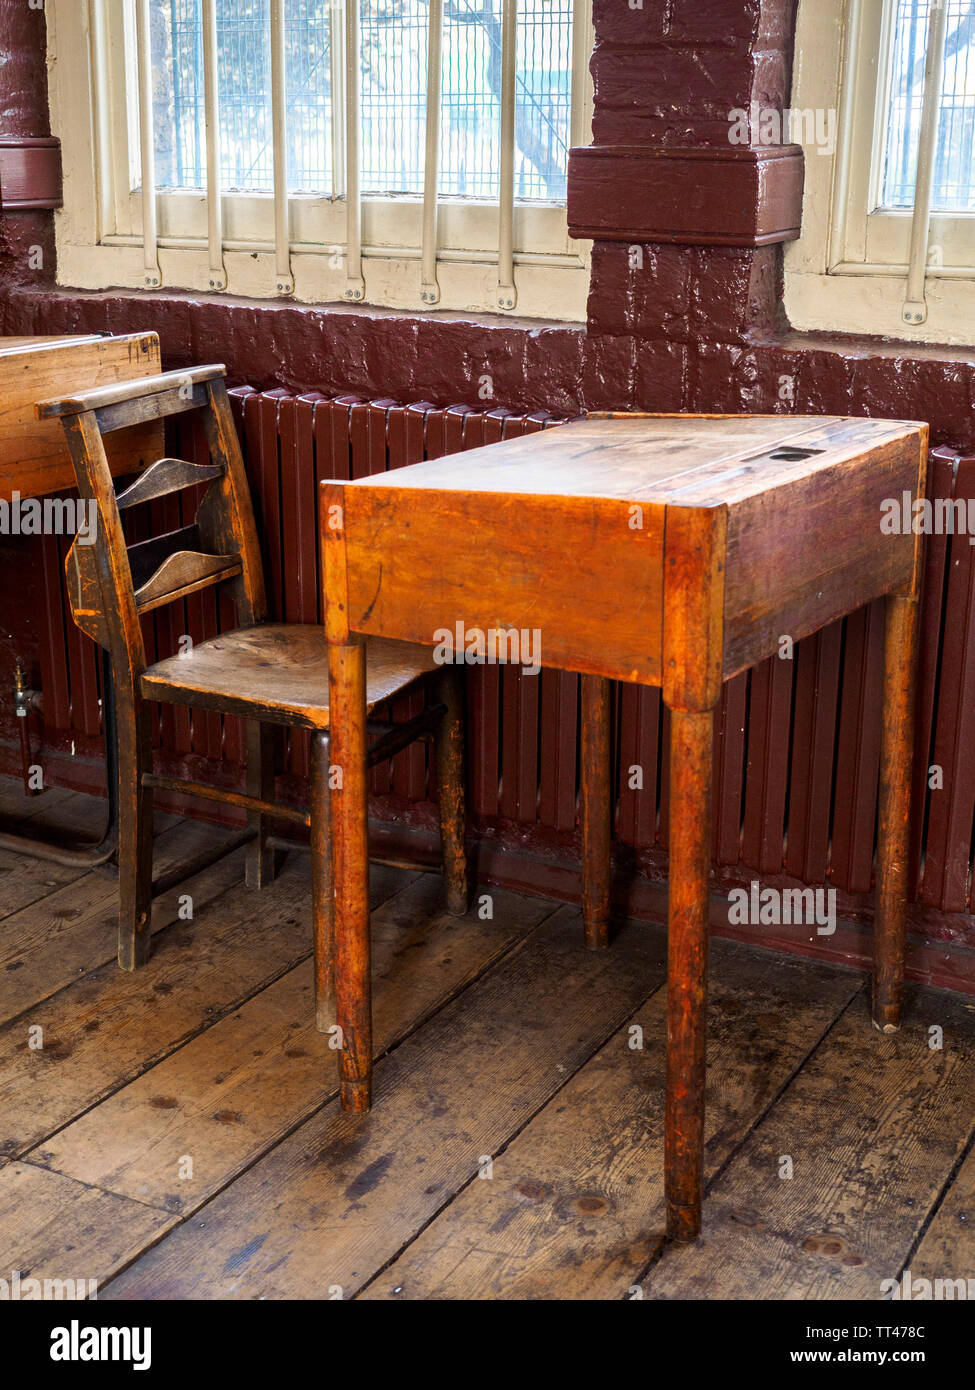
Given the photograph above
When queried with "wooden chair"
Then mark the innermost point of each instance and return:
(269, 673)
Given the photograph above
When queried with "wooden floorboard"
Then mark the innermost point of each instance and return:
(55, 808)
(72, 817)
(872, 1126)
(947, 1247)
(113, 1025)
(72, 930)
(184, 1130)
(52, 1227)
(177, 1134)
(575, 1209)
(343, 1194)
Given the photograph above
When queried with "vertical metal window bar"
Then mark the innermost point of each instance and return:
(336, 62)
(847, 102)
(579, 131)
(103, 119)
(915, 305)
(152, 277)
(429, 288)
(354, 285)
(507, 296)
(211, 102)
(282, 232)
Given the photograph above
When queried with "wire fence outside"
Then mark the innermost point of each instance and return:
(954, 175)
(393, 96)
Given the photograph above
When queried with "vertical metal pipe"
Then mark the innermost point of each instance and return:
(848, 86)
(102, 118)
(915, 306)
(581, 49)
(284, 280)
(507, 296)
(211, 101)
(336, 62)
(354, 285)
(152, 277)
(429, 288)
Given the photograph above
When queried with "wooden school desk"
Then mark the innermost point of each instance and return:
(669, 551)
(34, 458)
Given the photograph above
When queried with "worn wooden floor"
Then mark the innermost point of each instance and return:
(174, 1133)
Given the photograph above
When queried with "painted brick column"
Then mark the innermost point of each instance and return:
(30, 160)
(686, 224)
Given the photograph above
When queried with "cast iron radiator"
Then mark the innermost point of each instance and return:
(797, 740)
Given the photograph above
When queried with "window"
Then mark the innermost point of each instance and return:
(430, 172)
(888, 239)
(954, 176)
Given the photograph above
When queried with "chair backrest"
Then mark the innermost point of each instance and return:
(111, 584)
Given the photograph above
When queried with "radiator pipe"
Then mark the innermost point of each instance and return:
(25, 700)
(90, 856)
(75, 855)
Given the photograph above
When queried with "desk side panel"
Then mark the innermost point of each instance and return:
(807, 553)
(34, 457)
(579, 572)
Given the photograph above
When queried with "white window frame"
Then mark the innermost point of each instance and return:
(94, 111)
(848, 270)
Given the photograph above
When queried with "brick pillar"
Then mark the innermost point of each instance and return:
(687, 222)
(30, 171)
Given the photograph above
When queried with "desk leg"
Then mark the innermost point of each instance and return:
(448, 748)
(893, 841)
(691, 740)
(323, 907)
(595, 811)
(350, 871)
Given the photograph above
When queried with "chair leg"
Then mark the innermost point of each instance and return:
(134, 833)
(259, 869)
(595, 812)
(893, 841)
(321, 884)
(449, 755)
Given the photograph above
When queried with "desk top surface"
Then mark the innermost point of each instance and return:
(34, 458)
(696, 461)
(38, 342)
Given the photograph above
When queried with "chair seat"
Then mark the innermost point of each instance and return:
(278, 672)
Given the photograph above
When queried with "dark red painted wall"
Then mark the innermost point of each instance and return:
(695, 328)
(23, 111)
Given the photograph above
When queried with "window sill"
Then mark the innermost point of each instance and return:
(486, 360)
(379, 312)
(392, 278)
(868, 304)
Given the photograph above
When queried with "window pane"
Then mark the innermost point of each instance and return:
(954, 175)
(394, 65)
(244, 70)
(543, 106)
(393, 96)
(393, 42)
